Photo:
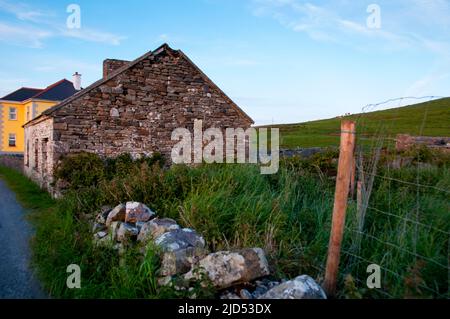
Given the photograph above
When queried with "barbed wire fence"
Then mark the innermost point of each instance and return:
(398, 213)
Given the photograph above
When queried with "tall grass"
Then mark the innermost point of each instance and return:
(234, 206)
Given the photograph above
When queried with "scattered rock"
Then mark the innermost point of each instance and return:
(229, 295)
(181, 248)
(137, 212)
(302, 287)
(105, 209)
(180, 261)
(139, 225)
(164, 281)
(98, 227)
(245, 294)
(126, 232)
(100, 219)
(184, 252)
(113, 230)
(117, 214)
(262, 286)
(179, 239)
(101, 234)
(259, 291)
(103, 215)
(100, 241)
(226, 269)
(156, 228)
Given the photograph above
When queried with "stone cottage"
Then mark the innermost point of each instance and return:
(133, 109)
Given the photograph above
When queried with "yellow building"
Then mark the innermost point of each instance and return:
(23, 105)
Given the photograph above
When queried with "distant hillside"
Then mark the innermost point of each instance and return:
(434, 116)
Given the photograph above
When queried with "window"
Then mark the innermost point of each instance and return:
(12, 140)
(44, 154)
(36, 154)
(28, 113)
(27, 158)
(12, 114)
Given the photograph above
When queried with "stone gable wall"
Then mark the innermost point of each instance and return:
(136, 111)
(39, 155)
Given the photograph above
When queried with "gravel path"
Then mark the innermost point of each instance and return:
(16, 277)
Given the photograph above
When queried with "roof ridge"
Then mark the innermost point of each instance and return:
(56, 83)
(28, 88)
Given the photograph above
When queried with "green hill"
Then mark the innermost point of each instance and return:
(428, 119)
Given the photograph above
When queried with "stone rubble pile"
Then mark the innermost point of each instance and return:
(240, 274)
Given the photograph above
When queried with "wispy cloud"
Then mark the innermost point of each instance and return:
(313, 20)
(91, 35)
(426, 13)
(23, 11)
(23, 35)
(330, 23)
(425, 85)
(34, 26)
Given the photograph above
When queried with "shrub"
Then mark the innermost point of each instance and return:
(84, 170)
(424, 154)
(80, 170)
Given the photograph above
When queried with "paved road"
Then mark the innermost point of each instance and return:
(16, 278)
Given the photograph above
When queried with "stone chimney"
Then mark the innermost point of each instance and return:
(111, 65)
(77, 81)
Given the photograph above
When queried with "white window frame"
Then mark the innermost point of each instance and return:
(12, 137)
(12, 115)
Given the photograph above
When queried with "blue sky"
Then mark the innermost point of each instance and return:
(282, 61)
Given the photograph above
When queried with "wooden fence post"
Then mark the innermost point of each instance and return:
(344, 173)
(353, 178)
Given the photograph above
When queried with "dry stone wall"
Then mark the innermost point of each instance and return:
(405, 141)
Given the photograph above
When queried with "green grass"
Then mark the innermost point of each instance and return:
(427, 119)
(28, 193)
(234, 206)
(63, 237)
